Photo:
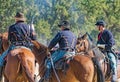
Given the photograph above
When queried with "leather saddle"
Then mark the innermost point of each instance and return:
(63, 63)
(105, 64)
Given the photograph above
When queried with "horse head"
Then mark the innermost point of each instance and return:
(83, 43)
(3, 42)
(1, 48)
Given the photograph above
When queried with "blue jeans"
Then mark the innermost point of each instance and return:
(113, 62)
(4, 54)
(55, 57)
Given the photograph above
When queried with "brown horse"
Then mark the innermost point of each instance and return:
(85, 45)
(20, 63)
(3, 38)
(81, 67)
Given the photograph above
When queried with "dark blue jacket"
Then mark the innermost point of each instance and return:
(20, 32)
(66, 40)
(106, 38)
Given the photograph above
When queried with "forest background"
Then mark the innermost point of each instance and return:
(46, 14)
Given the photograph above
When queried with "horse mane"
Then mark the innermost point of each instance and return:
(39, 46)
(40, 51)
(98, 54)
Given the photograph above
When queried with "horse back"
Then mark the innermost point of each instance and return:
(20, 59)
(82, 65)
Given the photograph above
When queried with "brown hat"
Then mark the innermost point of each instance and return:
(64, 23)
(20, 16)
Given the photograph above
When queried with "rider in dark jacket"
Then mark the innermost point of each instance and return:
(19, 34)
(66, 40)
(105, 43)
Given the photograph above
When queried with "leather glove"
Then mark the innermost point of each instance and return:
(101, 46)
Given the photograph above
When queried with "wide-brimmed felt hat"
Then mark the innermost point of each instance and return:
(65, 23)
(20, 16)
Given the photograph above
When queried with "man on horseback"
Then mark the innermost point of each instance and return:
(19, 34)
(66, 40)
(105, 43)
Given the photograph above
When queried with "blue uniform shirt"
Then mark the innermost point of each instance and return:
(106, 38)
(15, 36)
(66, 40)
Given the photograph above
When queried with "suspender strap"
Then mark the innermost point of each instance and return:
(26, 38)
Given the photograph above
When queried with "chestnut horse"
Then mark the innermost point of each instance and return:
(81, 67)
(20, 62)
(85, 45)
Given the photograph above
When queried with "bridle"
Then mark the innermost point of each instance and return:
(82, 44)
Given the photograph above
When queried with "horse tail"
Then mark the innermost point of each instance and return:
(100, 76)
(25, 66)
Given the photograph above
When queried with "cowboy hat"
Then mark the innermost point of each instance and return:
(20, 16)
(64, 23)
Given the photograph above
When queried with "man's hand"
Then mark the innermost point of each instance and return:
(101, 46)
(49, 54)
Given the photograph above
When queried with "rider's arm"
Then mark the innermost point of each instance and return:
(109, 40)
(54, 41)
(10, 32)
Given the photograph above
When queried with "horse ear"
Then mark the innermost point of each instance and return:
(79, 35)
(84, 36)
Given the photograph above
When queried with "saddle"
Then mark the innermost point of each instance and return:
(107, 67)
(63, 64)
(15, 52)
(105, 64)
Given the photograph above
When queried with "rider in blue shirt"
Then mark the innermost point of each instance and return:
(106, 42)
(19, 34)
(66, 40)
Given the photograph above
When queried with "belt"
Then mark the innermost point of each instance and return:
(19, 43)
(69, 49)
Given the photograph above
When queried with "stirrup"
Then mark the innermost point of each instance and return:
(46, 80)
(41, 80)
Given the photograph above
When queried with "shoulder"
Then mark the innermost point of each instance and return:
(22, 24)
(60, 32)
(107, 32)
(11, 26)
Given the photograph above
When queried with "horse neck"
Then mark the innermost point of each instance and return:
(40, 52)
(90, 44)
(89, 48)
(94, 51)
(91, 53)
(4, 44)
